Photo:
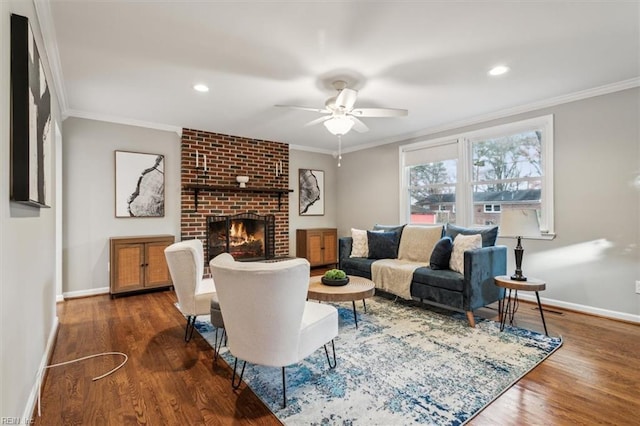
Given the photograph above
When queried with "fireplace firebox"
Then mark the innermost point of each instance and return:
(246, 236)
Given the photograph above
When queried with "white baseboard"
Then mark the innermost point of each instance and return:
(581, 308)
(85, 293)
(59, 298)
(33, 396)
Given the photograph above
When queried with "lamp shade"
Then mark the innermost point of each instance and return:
(519, 223)
(339, 125)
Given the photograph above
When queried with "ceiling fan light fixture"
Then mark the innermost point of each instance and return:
(339, 125)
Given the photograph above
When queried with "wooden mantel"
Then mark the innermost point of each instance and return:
(215, 188)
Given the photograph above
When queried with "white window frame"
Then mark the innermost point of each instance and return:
(464, 186)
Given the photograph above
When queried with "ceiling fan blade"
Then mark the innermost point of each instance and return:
(318, 121)
(346, 98)
(379, 112)
(320, 110)
(358, 125)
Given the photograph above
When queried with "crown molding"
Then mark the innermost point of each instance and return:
(47, 28)
(311, 149)
(558, 100)
(122, 120)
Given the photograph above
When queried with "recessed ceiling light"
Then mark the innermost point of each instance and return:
(499, 70)
(201, 88)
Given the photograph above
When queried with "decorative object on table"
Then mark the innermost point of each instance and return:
(242, 180)
(401, 353)
(335, 277)
(30, 119)
(139, 184)
(519, 223)
(311, 183)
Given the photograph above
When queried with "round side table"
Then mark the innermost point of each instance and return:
(511, 306)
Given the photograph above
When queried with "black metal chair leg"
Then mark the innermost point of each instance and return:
(218, 344)
(284, 389)
(335, 362)
(542, 314)
(188, 331)
(233, 378)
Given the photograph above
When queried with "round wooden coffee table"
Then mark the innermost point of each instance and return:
(358, 288)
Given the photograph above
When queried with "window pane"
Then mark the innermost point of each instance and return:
(432, 192)
(508, 157)
(525, 194)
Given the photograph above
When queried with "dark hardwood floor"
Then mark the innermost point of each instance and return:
(593, 379)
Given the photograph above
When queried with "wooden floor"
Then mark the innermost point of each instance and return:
(593, 379)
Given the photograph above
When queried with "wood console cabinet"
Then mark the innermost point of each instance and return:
(319, 246)
(138, 263)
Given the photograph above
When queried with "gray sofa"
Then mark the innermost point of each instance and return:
(467, 292)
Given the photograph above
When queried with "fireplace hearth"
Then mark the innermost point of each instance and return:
(246, 236)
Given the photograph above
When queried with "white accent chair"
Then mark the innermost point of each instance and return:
(186, 266)
(267, 318)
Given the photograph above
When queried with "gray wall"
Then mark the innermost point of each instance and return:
(594, 260)
(89, 194)
(312, 160)
(27, 253)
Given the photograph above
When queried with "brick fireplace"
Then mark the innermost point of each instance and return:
(219, 195)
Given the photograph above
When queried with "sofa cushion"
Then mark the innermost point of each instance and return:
(489, 235)
(461, 244)
(358, 264)
(417, 242)
(360, 246)
(383, 245)
(441, 254)
(444, 278)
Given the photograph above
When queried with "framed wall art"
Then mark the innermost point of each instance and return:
(30, 119)
(139, 184)
(311, 190)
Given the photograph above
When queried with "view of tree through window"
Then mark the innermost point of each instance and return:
(506, 170)
(471, 178)
(432, 189)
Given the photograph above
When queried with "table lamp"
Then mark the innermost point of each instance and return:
(519, 223)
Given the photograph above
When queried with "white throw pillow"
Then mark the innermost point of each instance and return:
(360, 246)
(461, 244)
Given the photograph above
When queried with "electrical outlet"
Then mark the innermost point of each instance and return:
(638, 287)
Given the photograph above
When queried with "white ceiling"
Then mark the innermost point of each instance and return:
(138, 60)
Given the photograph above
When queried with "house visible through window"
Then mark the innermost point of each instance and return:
(470, 178)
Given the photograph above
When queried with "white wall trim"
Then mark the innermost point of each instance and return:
(48, 30)
(121, 120)
(85, 293)
(571, 97)
(623, 316)
(32, 401)
(313, 149)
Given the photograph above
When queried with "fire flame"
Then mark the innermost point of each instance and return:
(238, 234)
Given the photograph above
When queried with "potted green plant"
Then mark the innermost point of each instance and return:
(335, 277)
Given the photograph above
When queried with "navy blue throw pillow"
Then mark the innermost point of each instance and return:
(489, 235)
(441, 254)
(383, 245)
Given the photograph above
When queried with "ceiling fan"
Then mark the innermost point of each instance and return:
(341, 116)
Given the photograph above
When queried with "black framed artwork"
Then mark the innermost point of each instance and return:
(311, 192)
(30, 118)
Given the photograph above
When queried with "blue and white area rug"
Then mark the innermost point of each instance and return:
(404, 364)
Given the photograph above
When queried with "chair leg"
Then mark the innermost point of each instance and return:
(284, 389)
(188, 331)
(335, 362)
(233, 378)
(218, 344)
